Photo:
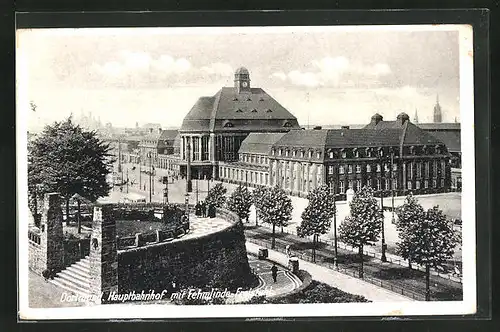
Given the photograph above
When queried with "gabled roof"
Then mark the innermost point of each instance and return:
(413, 136)
(384, 135)
(245, 111)
(259, 143)
(440, 126)
(168, 135)
(450, 138)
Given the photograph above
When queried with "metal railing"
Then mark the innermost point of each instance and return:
(350, 272)
(369, 253)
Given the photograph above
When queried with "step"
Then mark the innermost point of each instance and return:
(74, 282)
(70, 288)
(83, 263)
(81, 272)
(73, 277)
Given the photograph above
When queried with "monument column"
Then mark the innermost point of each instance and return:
(103, 256)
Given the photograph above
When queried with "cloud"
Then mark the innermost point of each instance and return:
(336, 72)
(218, 68)
(142, 69)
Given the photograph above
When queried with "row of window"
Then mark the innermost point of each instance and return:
(412, 168)
(254, 159)
(260, 178)
(386, 183)
(356, 153)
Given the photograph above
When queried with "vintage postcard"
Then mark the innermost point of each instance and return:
(245, 172)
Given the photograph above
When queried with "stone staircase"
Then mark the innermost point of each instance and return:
(75, 278)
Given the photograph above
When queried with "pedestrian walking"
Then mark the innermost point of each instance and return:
(274, 272)
(288, 250)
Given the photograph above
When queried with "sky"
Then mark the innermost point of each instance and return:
(321, 75)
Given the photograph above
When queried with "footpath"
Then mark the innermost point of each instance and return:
(336, 279)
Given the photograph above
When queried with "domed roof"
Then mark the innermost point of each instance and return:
(377, 116)
(241, 70)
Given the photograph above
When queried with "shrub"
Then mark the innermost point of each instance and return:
(316, 292)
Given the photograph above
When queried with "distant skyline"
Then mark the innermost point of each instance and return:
(321, 75)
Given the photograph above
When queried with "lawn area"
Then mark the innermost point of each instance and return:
(131, 227)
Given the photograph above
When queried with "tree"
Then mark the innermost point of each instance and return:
(316, 218)
(427, 238)
(239, 202)
(257, 196)
(275, 209)
(410, 213)
(216, 195)
(66, 159)
(362, 227)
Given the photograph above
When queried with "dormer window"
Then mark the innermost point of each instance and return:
(249, 99)
(356, 153)
(310, 154)
(280, 152)
(273, 152)
(318, 155)
(380, 152)
(286, 153)
(344, 154)
(268, 111)
(295, 153)
(412, 150)
(228, 125)
(254, 111)
(302, 154)
(287, 125)
(261, 99)
(368, 152)
(235, 99)
(331, 154)
(239, 110)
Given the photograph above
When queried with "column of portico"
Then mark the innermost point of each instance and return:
(315, 176)
(182, 147)
(191, 144)
(291, 172)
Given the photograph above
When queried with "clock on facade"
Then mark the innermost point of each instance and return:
(244, 84)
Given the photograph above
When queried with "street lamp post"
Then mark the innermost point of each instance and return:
(332, 191)
(392, 187)
(150, 180)
(165, 191)
(382, 171)
(189, 184)
(196, 190)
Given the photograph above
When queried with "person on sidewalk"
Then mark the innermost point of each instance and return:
(274, 272)
(288, 250)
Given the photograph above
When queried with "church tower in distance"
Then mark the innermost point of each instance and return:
(438, 116)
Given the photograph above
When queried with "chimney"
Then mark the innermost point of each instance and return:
(402, 118)
(376, 118)
(159, 130)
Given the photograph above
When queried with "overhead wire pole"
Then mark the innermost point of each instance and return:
(382, 172)
(150, 172)
(392, 185)
(332, 190)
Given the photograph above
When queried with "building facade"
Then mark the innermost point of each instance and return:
(389, 156)
(154, 146)
(214, 129)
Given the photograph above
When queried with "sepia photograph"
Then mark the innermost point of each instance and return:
(245, 171)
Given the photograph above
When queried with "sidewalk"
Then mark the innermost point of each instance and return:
(336, 279)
